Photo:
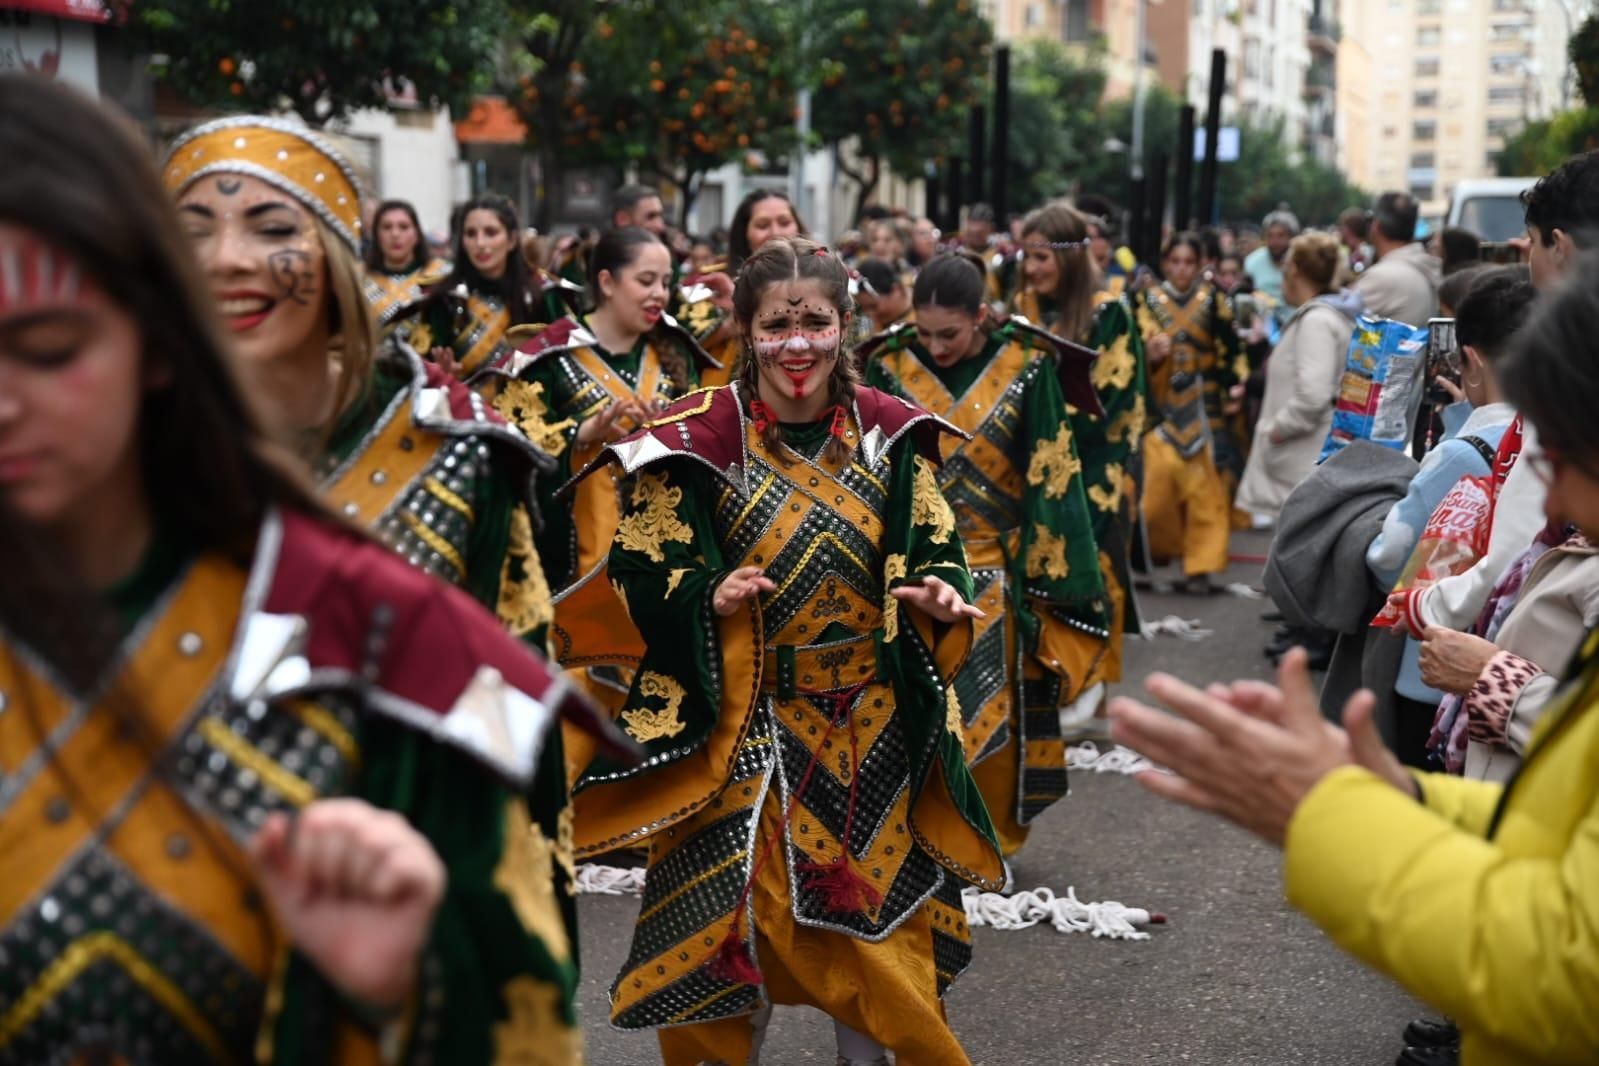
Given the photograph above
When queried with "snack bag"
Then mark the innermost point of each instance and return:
(1381, 388)
(1455, 537)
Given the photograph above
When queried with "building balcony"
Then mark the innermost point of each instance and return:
(1320, 82)
(1323, 34)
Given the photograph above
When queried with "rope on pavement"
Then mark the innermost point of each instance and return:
(1068, 914)
(594, 880)
(1117, 760)
(1173, 626)
(1243, 591)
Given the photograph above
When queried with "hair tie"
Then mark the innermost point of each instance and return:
(840, 421)
(821, 251)
(762, 416)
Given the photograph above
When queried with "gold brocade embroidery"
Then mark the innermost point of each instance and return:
(1127, 425)
(674, 578)
(1107, 496)
(522, 404)
(526, 875)
(535, 1032)
(928, 506)
(952, 712)
(524, 602)
(1053, 465)
(645, 724)
(701, 318)
(565, 848)
(621, 595)
(1115, 366)
(645, 530)
(894, 568)
(1047, 555)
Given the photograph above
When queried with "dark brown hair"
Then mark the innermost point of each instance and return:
(515, 286)
(796, 259)
(614, 252)
(374, 248)
(738, 237)
(91, 190)
(1076, 278)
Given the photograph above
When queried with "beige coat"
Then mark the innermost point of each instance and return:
(1302, 379)
(1402, 285)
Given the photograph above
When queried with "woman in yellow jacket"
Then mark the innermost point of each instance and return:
(1481, 899)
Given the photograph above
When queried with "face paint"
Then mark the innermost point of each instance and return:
(33, 274)
(796, 337)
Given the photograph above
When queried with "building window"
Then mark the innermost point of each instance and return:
(1505, 64)
(1508, 5)
(1427, 67)
(1505, 31)
(1507, 94)
(1421, 192)
(1423, 160)
(1429, 36)
(1077, 20)
(1426, 98)
(1251, 58)
(1492, 162)
(1429, 7)
(1423, 130)
(1503, 127)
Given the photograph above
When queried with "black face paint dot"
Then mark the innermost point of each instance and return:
(229, 186)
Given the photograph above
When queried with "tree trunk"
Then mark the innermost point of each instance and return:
(865, 180)
(551, 163)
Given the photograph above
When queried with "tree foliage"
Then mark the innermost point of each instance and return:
(1057, 129)
(676, 89)
(1266, 175)
(1543, 145)
(1583, 51)
(319, 58)
(899, 75)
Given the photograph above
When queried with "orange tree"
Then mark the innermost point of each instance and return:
(678, 89)
(897, 75)
(320, 58)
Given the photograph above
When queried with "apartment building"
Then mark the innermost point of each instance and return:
(1452, 79)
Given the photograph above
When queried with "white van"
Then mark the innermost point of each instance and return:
(1489, 207)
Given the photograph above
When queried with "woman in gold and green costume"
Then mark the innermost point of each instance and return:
(399, 447)
(1066, 294)
(399, 268)
(1016, 488)
(803, 599)
(260, 781)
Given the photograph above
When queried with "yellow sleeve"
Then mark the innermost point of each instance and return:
(1467, 805)
(1507, 947)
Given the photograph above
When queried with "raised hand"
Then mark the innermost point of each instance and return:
(740, 585)
(607, 423)
(937, 599)
(355, 887)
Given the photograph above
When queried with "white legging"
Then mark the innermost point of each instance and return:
(853, 1047)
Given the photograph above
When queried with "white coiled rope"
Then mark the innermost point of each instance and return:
(594, 880)
(1173, 626)
(1068, 914)
(1117, 760)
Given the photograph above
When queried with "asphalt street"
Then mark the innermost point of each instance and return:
(1235, 978)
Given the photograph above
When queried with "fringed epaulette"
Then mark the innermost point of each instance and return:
(671, 331)
(441, 404)
(1074, 363)
(895, 338)
(337, 611)
(706, 426)
(535, 342)
(885, 419)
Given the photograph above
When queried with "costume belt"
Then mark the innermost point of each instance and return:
(791, 669)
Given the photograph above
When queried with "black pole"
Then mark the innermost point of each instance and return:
(933, 189)
(1155, 219)
(957, 187)
(1207, 173)
(1182, 213)
(1000, 186)
(978, 153)
(1136, 218)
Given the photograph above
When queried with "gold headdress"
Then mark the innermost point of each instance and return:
(297, 161)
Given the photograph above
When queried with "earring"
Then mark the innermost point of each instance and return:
(1473, 382)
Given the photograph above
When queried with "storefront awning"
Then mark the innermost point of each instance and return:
(490, 121)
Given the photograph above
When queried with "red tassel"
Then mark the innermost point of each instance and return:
(840, 421)
(731, 962)
(843, 891)
(761, 415)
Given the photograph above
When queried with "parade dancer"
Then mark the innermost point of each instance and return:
(398, 446)
(1191, 460)
(399, 268)
(463, 321)
(1068, 295)
(1016, 489)
(803, 597)
(580, 384)
(259, 779)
